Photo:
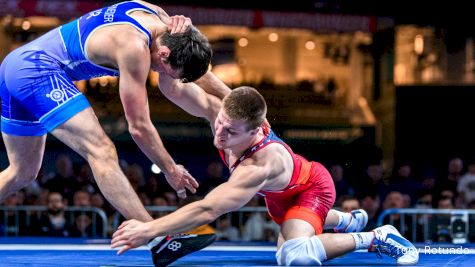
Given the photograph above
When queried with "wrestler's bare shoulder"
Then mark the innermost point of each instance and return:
(279, 165)
(105, 44)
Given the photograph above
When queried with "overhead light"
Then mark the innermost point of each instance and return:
(419, 44)
(243, 42)
(310, 45)
(273, 37)
(26, 25)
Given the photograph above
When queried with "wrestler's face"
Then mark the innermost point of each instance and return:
(159, 62)
(231, 133)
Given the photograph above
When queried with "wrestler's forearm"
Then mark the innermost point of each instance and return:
(184, 219)
(213, 85)
(149, 141)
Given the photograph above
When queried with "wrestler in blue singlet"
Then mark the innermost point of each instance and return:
(36, 84)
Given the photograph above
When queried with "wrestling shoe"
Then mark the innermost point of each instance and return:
(359, 219)
(171, 248)
(387, 240)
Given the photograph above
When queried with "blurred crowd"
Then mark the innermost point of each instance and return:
(376, 189)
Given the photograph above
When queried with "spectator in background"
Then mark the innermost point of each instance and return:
(171, 198)
(372, 182)
(424, 201)
(152, 187)
(341, 185)
(225, 230)
(440, 223)
(271, 229)
(43, 197)
(428, 182)
(159, 201)
(395, 200)
(83, 227)
(82, 199)
(97, 201)
(349, 203)
(454, 172)
(402, 181)
(253, 229)
(63, 181)
(54, 222)
(213, 178)
(134, 174)
(371, 203)
(146, 201)
(12, 222)
(466, 185)
(86, 180)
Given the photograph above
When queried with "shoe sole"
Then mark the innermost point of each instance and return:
(180, 246)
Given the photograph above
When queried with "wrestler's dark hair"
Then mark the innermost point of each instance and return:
(190, 53)
(247, 104)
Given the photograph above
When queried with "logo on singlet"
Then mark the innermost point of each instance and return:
(94, 14)
(62, 89)
(56, 95)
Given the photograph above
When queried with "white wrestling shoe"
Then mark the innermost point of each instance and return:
(359, 219)
(387, 240)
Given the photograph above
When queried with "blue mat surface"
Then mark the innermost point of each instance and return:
(81, 252)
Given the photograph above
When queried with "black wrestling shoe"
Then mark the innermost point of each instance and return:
(171, 248)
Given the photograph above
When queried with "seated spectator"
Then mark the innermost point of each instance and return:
(372, 182)
(454, 172)
(440, 223)
(12, 222)
(271, 229)
(402, 181)
(253, 229)
(64, 181)
(213, 178)
(225, 230)
(372, 205)
(159, 202)
(81, 199)
(395, 200)
(348, 203)
(54, 222)
(83, 227)
(341, 185)
(466, 185)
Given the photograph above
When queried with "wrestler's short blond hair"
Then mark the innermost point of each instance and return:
(246, 104)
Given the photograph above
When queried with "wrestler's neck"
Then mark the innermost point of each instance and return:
(239, 149)
(152, 23)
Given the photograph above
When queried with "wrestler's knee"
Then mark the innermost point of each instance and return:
(302, 251)
(103, 158)
(25, 173)
(103, 150)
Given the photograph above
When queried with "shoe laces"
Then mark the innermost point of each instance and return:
(387, 248)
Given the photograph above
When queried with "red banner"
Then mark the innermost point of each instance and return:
(202, 16)
(57, 8)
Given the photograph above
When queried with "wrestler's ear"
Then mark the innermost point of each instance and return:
(163, 52)
(255, 131)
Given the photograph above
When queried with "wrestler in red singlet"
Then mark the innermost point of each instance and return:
(309, 195)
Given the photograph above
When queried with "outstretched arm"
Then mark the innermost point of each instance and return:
(133, 94)
(244, 183)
